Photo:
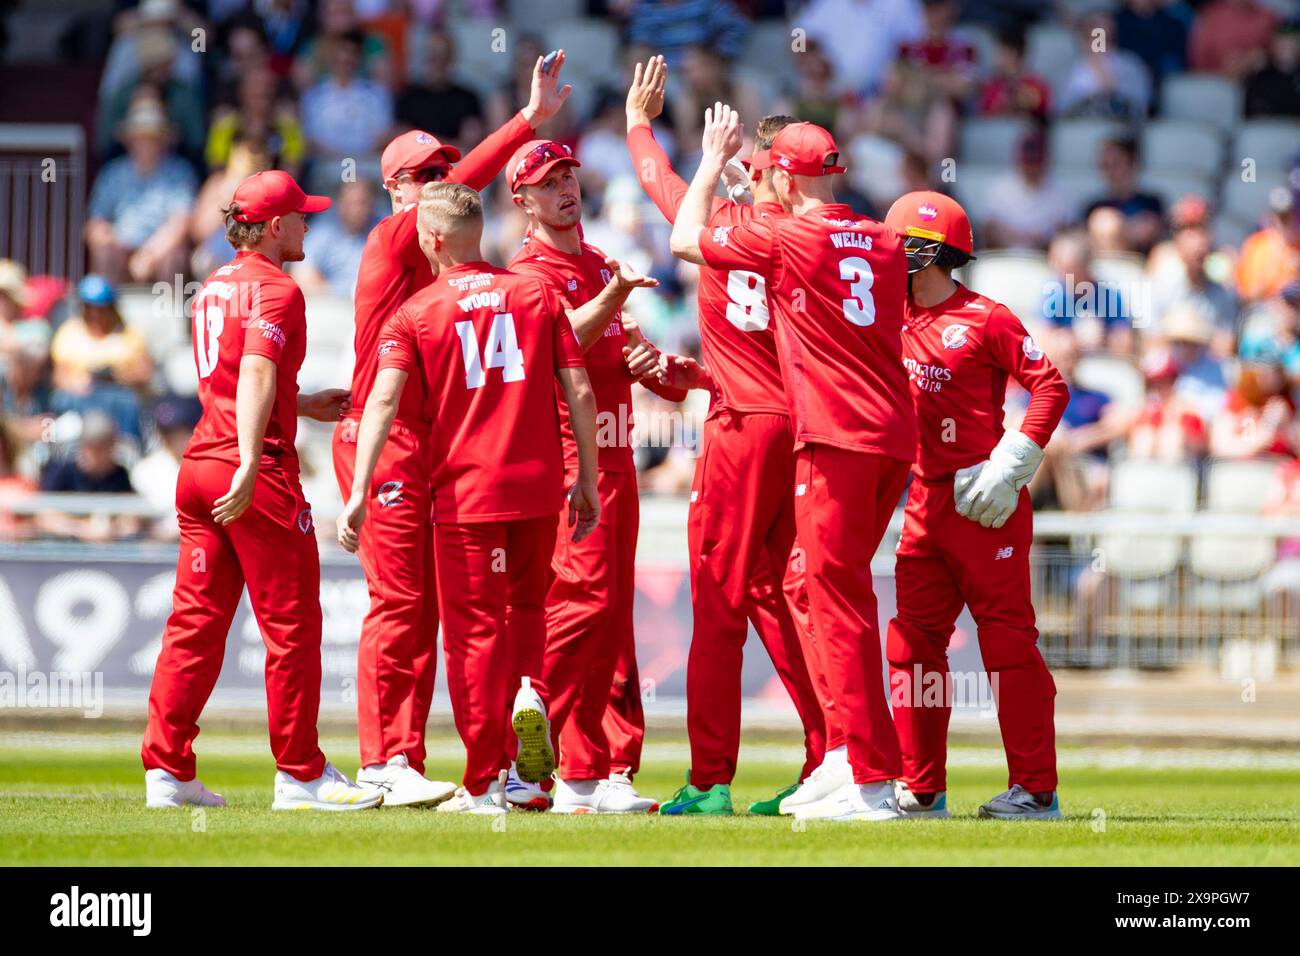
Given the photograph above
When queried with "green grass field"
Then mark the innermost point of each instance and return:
(70, 799)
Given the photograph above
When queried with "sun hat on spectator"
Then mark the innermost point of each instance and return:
(263, 196)
(1184, 323)
(96, 290)
(804, 149)
(13, 281)
(145, 118)
(415, 149)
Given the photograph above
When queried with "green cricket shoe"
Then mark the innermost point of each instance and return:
(772, 806)
(689, 800)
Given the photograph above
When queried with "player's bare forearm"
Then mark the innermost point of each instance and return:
(590, 319)
(580, 398)
(376, 423)
(693, 213)
(254, 395)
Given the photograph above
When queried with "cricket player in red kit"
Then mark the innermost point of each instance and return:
(589, 607)
(741, 523)
(836, 281)
(243, 518)
(396, 658)
(487, 348)
(968, 525)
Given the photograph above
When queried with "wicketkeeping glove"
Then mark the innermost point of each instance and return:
(988, 492)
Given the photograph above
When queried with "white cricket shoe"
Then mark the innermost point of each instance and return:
(912, 808)
(525, 796)
(489, 803)
(402, 786)
(853, 801)
(1019, 804)
(599, 796)
(331, 791)
(621, 781)
(163, 791)
(536, 759)
(815, 787)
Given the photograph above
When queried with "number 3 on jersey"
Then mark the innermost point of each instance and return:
(501, 351)
(860, 307)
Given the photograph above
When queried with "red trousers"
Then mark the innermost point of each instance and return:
(946, 561)
(740, 532)
(492, 581)
(624, 719)
(588, 628)
(271, 547)
(397, 655)
(843, 503)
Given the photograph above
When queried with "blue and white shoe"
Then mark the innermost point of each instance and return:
(1019, 804)
(913, 809)
(525, 796)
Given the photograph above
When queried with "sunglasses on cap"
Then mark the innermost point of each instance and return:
(538, 156)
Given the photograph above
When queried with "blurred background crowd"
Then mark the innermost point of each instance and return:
(1130, 168)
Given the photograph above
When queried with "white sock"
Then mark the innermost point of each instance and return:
(836, 757)
(575, 788)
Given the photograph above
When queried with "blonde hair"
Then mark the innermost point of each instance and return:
(449, 207)
(241, 235)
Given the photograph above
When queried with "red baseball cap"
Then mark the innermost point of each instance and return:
(804, 149)
(415, 149)
(272, 193)
(934, 216)
(533, 160)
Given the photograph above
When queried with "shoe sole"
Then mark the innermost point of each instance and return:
(426, 802)
(535, 805)
(874, 816)
(986, 814)
(536, 760)
(574, 811)
(299, 805)
(665, 812)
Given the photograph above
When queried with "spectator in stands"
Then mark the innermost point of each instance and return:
(99, 362)
(1026, 205)
(814, 97)
(1169, 427)
(913, 112)
(13, 487)
(1076, 299)
(1012, 90)
(948, 62)
(181, 100)
(1274, 89)
(243, 48)
(338, 19)
(91, 468)
(1158, 37)
(1184, 278)
(17, 331)
(257, 116)
(140, 204)
(152, 23)
(334, 243)
(449, 110)
(1143, 212)
(286, 24)
(208, 225)
(1107, 81)
(1075, 470)
(706, 79)
(154, 475)
(1258, 417)
(1230, 37)
(345, 115)
(1202, 381)
(862, 37)
(673, 27)
(1273, 332)
(1270, 258)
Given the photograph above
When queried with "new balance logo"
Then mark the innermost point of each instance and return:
(800, 489)
(1001, 553)
(695, 496)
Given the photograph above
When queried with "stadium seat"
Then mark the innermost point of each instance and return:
(158, 319)
(991, 139)
(1240, 487)
(1080, 185)
(1172, 185)
(768, 48)
(543, 11)
(875, 168)
(1050, 52)
(1182, 145)
(1113, 376)
(1015, 279)
(1204, 97)
(476, 62)
(1152, 488)
(1246, 202)
(972, 188)
(1230, 564)
(591, 48)
(1075, 143)
(1274, 144)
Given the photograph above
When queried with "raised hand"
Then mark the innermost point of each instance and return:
(645, 97)
(546, 96)
(723, 133)
(626, 278)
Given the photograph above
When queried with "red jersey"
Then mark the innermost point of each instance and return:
(485, 344)
(959, 355)
(247, 307)
(393, 268)
(836, 281)
(737, 343)
(577, 279)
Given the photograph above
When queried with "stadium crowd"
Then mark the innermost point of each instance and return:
(1162, 277)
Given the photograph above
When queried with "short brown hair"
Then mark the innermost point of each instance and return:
(241, 235)
(768, 127)
(448, 207)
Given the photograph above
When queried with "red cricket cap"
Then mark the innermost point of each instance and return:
(272, 193)
(934, 216)
(533, 160)
(415, 149)
(804, 149)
